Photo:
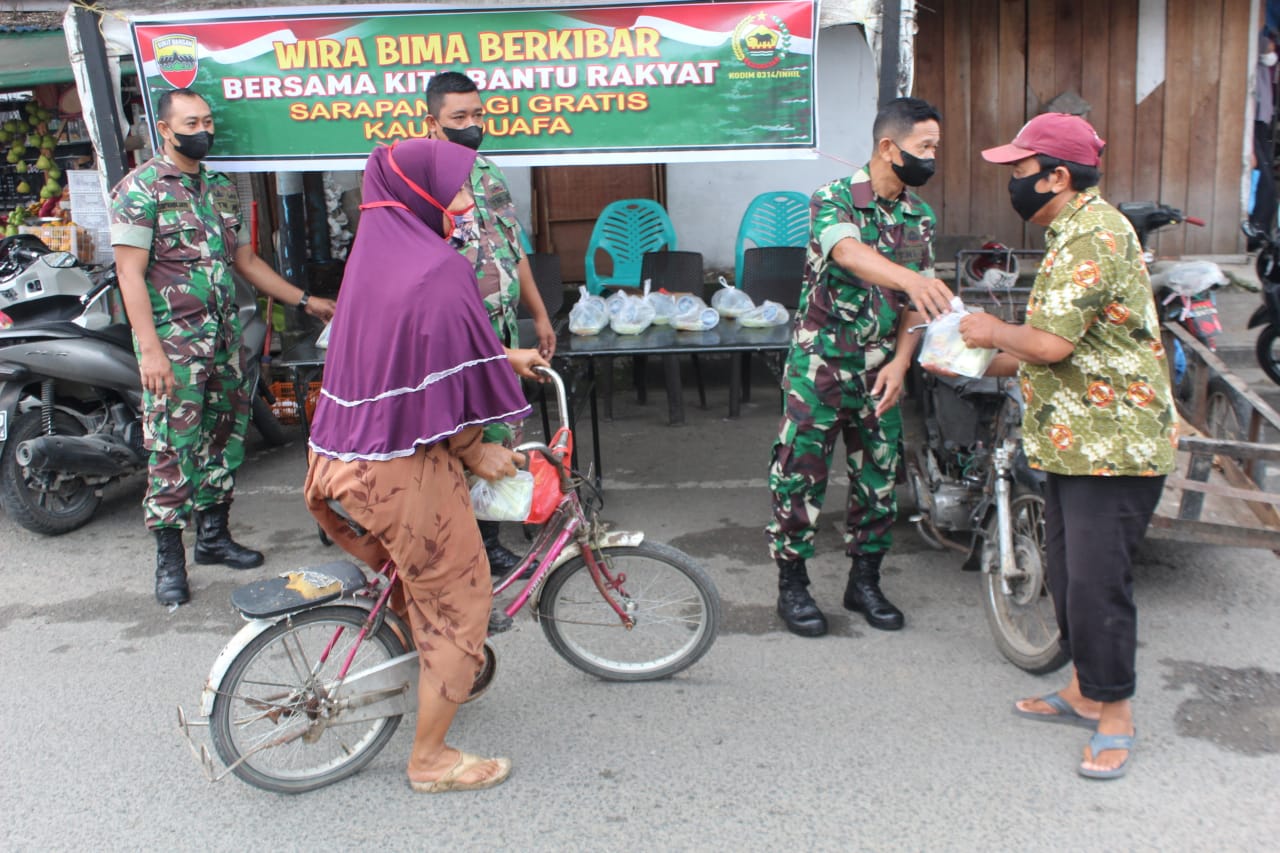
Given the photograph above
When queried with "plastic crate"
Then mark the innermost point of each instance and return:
(64, 238)
(285, 407)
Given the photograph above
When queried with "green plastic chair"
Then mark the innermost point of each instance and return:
(625, 230)
(772, 219)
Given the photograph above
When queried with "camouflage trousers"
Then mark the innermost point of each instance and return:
(827, 399)
(195, 438)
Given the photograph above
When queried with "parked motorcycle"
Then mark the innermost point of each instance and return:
(70, 391)
(1267, 316)
(973, 488)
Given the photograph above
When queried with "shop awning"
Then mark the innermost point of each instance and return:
(32, 58)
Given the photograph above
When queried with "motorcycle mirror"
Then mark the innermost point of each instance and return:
(60, 260)
(1250, 230)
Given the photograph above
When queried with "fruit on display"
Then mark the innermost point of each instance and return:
(30, 147)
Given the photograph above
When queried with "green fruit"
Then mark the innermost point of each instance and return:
(13, 158)
(53, 186)
(54, 173)
(44, 193)
(33, 121)
(17, 150)
(44, 164)
(48, 142)
(24, 188)
(44, 114)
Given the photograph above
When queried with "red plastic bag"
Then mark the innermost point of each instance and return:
(546, 479)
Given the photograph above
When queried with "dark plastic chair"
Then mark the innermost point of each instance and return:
(776, 273)
(675, 272)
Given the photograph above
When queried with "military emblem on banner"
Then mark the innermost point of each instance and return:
(761, 41)
(176, 59)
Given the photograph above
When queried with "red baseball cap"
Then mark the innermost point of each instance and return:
(1060, 135)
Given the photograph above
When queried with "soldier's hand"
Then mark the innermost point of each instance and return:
(888, 386)
(321, 308)
(930, 296)
(546, 337)
(157, 374)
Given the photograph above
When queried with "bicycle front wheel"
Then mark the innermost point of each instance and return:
(671, 597)
(273, 721)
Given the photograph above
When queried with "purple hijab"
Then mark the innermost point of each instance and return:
(412, 357)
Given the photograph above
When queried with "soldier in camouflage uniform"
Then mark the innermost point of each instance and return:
(177, 231)
(1099, 419)
(491, 238)
(870, 251)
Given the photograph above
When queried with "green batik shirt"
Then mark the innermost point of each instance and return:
(497, 252)
(191, 225)
(1106, 409)
(840, 314)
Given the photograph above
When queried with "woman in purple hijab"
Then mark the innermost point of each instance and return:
(412, 374)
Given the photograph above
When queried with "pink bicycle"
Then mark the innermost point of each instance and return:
(315, 684)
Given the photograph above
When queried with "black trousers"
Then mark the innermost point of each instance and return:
(1092, 527)
(1264, 205)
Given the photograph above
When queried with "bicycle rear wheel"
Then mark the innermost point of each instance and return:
(272, 713)
(672, 599)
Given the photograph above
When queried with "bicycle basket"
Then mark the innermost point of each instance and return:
(546, 479)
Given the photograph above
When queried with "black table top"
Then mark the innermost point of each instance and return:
(728, 336)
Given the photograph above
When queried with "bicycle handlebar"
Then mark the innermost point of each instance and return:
(562, 399)
(1194, 220)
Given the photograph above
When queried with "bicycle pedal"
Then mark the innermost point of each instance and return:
(499, 622)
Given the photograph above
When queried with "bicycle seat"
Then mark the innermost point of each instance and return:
(346, 516)
(300, 589)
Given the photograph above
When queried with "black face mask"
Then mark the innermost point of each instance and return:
(914, 171)
(1024, 196)
(193, 145)
(469, 136)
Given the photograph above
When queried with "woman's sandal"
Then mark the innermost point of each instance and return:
(1101, 743)
(465, 763)
(1062, 712)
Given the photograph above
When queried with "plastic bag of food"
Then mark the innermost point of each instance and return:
(944, 347)
(615, 301)
(693, 315)
(508, 499)
(632, 316)
(767, 313)
(729, 301)
(664, 305)
(589, 315)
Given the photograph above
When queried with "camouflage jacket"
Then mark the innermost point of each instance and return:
(839, 314)
(497, 252)
(1106, 409)
(191, 225)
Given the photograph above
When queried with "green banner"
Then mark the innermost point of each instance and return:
(319, 88)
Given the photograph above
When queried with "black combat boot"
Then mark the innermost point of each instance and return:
(795, 605)
(501, 560)
(171, 567)
(864, 596)
(214, 543)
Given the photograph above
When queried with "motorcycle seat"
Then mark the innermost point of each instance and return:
(119, 334)
(964, 386)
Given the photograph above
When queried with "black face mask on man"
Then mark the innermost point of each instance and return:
(193, 145)
(471, 136)
(914, 171)
(1024, 196)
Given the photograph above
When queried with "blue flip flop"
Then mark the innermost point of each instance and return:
(1101, 743)
(1062, 713)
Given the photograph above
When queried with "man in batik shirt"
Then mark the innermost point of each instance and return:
(870, 252)
(1099, 419)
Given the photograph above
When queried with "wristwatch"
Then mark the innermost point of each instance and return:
(302, 303)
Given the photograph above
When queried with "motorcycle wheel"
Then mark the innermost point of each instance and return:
(266, 422)
(53, 511)
(1022, 621)
(1268, 352)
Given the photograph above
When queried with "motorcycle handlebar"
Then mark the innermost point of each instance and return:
(1194, 220)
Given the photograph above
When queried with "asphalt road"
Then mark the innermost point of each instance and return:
(860, 740)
